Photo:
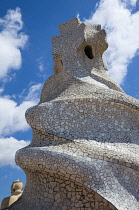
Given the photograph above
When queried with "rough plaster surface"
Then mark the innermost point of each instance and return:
(84, 153)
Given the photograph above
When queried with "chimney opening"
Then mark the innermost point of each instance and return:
(88, 52)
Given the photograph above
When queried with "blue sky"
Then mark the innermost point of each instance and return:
(26, 28)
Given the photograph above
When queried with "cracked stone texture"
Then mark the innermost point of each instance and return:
(85, 151)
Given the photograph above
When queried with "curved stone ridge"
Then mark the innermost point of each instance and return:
(84, 152)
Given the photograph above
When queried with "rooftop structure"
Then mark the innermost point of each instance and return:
(84, 153)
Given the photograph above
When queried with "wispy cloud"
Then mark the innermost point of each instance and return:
(122, 27)
(8, 148)
(33, 93)
(12, 40)
(132, 2)
(1, 90)
(40, 64)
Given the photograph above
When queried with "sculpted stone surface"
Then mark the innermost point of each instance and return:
(16, 191)
(84, 153)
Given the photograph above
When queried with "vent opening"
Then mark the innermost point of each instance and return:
(88, 52)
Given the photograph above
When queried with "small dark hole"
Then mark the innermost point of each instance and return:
(88, 52)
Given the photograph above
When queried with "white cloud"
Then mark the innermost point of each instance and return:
(122, 34)
(12, 115)
(11, 41)
(8, 148)
(12, 119)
